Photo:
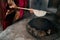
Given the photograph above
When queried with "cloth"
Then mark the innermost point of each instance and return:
(3, 11)
(39, 4)
(22, 3)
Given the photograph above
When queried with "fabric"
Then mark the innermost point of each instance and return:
(53, 3)
(3, 11)
(39, 4)
(22, 3)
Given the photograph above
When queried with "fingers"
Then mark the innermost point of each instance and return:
(7, 12)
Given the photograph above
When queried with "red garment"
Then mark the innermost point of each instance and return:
(3, 8)
(22, 3)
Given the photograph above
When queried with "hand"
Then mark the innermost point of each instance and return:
(31, 11)
(7, 12)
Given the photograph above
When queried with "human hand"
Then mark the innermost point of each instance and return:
(31, 11)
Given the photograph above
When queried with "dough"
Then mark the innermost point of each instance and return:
(39, 13)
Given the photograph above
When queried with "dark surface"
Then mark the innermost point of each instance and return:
(41, 24)
(52, 17)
